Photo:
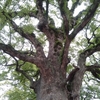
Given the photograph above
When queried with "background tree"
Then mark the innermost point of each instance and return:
(23, 42)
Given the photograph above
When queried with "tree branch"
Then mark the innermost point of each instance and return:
(14, 53)
(23, 72)
(43, 25)
(31, 37)
(77, 80)
(95, 70)
(91, 50)
(64, 13)
(41, 15)
(86, 19)
(95, 66)
(64, 59)
(74, 6)
(79, 15)
(95, 73)
(33, 84)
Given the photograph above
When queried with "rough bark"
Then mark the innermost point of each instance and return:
(77, 81)
(52, 84)
(51, 90)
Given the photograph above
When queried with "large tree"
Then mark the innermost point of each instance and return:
(30, 38)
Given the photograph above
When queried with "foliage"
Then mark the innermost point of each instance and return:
(90, 88)
(16, 93)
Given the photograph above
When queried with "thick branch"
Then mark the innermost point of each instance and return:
(44, 26)
(71, 75)
(39, 4)
(90, 51)
(64, 13)
(41, 15)
(95, 66)
(77, 81)
(31, 37)
(96, 74)
(14, 53)
(56, 41)
(86, 19)
(95, 70)
(64, 10)
(65, 60)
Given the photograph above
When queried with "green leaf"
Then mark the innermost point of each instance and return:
(28, 28)
(3, 75)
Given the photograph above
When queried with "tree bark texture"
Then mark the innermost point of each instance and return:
(52, 84)
(51, 91)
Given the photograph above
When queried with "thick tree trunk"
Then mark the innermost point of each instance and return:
(51, 91)
(52, 83)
